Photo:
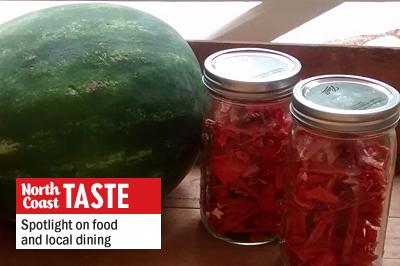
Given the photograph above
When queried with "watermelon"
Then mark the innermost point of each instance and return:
(96, 90)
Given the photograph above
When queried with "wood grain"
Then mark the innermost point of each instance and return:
(187, 194)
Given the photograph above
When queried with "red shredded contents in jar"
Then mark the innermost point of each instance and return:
(335, 202)
(246, 170)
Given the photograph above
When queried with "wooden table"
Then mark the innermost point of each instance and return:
(185, 242)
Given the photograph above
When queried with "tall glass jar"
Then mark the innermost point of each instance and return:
(246, 130)
(341, 165)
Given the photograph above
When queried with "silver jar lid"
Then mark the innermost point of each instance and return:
(344, 103)
(251, 73)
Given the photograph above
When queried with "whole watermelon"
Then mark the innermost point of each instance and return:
(96, 90)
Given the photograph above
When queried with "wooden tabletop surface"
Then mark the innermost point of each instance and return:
(184, 241)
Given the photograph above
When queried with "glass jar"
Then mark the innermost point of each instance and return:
(341, 165)
(245, 134)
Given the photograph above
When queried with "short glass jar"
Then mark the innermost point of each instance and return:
(246, 130)
(341, 164)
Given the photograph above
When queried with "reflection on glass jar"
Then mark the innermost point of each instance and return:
(341, 165)
(245, 136)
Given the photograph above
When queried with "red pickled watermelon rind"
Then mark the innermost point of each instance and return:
(335, 201)
(246, 169)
